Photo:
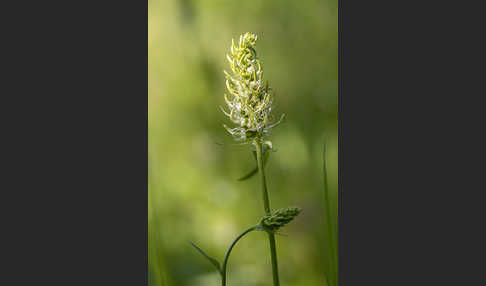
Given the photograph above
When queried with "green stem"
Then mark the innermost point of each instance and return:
(226, 256)
(266, 206)
(330, 232)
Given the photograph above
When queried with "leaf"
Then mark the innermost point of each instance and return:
(212, 260)
(255, 170)
(249, 175)
(332, 273)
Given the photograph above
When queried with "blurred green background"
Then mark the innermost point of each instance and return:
(194, 164)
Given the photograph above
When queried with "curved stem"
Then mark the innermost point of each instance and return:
(266, 206)
(226, 256)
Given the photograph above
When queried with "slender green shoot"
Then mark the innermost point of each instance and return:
(228, 252)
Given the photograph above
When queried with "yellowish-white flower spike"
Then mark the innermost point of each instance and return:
(249, 98)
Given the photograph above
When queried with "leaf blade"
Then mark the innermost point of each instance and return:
(213, 261)
(253, 172)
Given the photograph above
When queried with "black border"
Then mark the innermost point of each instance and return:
(410, 153)
(76, 154)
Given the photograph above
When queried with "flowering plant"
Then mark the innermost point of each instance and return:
(250, 108)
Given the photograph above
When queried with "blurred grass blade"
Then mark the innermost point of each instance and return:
(331, 275)
(212, 260)
(254, 171)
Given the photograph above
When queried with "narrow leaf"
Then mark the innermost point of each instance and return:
(331, 275)
(255, 170)
(212, 260)
(249, 175)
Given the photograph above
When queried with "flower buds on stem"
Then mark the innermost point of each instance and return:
(279, 218)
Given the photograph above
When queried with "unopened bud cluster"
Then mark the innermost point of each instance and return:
(277, 219)
(250, 98)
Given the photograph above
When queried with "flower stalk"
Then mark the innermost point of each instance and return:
(266, 207)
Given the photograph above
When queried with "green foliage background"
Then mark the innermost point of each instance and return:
(194, 163)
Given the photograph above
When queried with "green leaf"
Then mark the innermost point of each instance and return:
(249, 175)
(331, 273)
(212, 260)
(255, 170)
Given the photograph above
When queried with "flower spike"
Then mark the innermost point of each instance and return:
(252, 98)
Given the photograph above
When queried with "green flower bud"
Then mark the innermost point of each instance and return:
(250, 97)
(279, 218)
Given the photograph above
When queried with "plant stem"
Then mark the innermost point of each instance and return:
(266, 206)
(330, 232)
(226, 256)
